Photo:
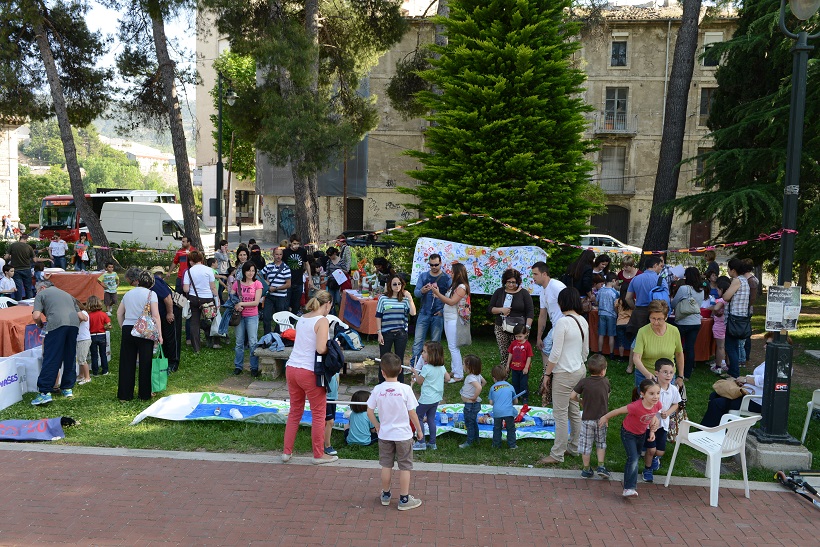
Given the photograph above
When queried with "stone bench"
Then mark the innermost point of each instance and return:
(272, 363)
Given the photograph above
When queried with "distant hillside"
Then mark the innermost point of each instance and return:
(149, 137)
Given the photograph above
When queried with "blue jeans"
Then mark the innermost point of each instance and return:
(22, 278)
(247, 328)
(633, 444)
(273, 304)
(426, 322)
(336, 298)
(60, 262)
(689, 336)
(471, 421)
(733, 354)
(59, 350)
(79, 265)
(98, 356)
(520, 382)
(429, 412)
(497, 425)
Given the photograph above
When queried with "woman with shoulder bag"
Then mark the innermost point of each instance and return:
(512, 305)
(130, 310)
(687, 303)
(738, 322)
(455, 298)
(570, 349)
(199, 283)
(249, 291)
(392, 318)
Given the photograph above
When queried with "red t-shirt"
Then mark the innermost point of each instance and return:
(181, 258)
(97, 320)
(520, 351)
(638, 416)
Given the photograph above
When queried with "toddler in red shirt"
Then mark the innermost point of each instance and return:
(519, 359)
(98, 323)
(640, 416)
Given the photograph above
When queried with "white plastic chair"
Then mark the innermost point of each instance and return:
(285, 320)
(815, 402)
(5, 302)
(727, 439)
(333, 320)
(744, 411)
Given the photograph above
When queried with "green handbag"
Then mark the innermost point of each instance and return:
(159, 372)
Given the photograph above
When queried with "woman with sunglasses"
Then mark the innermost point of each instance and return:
(392, 317)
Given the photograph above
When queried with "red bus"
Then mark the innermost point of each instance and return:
(58, 214)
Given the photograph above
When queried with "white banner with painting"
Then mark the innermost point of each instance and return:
(485, 265)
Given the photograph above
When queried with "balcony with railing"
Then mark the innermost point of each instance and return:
(616, 185)
(615, 123)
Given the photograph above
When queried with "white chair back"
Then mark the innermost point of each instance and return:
(333, 320)
(811, 406)
(5, 302)
(285, 320)
(737, 428)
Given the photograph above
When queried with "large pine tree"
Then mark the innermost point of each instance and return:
(506, 138)
(744, 173)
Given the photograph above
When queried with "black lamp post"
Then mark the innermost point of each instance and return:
(777, 380)
(230, 96)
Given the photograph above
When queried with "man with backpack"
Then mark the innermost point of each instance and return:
(644, 288)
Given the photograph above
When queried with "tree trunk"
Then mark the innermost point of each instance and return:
(804, 278)
(168, 77)
(443, 10)
(671, 149)
(84, 209)
(306, 187)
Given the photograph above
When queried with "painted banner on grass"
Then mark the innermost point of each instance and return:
(485, 265)
(537, 424)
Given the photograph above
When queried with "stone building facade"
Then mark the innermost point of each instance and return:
(627, 59)
(8, 168)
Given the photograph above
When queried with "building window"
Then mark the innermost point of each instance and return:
(699, 182)
(709, 40)
(707, 97)
(613, 168)
(618, 57)
(615, 108)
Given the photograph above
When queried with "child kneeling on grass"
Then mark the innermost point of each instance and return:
(396, 405)
(359, 431)
(594, 392)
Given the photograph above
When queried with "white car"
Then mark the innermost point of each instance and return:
(602, 243)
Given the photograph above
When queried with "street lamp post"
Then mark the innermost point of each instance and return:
(777, 379)
(231, 98)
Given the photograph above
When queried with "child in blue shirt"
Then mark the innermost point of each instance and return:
(502, 397)
(607, 316)
(432, 378)
(359, 430)
(330, 413)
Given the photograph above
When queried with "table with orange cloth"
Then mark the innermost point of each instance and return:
(17, 330)
(359, 313)
(704, 346)
(80, 285)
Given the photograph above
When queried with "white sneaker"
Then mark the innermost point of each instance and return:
(630, 492)
(286, 458)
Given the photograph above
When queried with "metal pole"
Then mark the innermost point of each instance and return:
(778, 372)
(219, 169)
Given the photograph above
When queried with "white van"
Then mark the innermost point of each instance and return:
(155, 225)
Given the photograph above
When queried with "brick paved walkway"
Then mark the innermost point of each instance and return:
(76, 495)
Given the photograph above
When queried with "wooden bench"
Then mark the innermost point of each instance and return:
(272, 363)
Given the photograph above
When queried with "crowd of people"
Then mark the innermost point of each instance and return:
(650, 318)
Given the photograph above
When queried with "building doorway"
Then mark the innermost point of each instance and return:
(614, 222)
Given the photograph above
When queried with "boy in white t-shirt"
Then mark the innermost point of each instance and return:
(396, 405)
(7, 285)
(670, 399)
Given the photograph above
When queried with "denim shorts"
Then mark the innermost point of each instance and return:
(606, 325)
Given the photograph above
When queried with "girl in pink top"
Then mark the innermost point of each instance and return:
(250, 292)
(640, 416)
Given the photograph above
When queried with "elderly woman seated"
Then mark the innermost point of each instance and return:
(751, 384)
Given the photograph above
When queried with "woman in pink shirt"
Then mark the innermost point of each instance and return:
(250, 292)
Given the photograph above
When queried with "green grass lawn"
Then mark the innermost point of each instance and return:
(104, 421)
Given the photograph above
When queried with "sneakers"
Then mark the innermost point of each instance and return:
(385, 498)
(286, 458)
(431, 446)
(83, 382)
(411, 503)
(648, 476)
(67, 393)
(419, 445)
(330, 451)
(237, 371)
(603, 472)
(106, 373)
(656, 463)
(630, 492)
(42, 399)
(325, 459)
(587, 473)
(256, 373)
(465, 445)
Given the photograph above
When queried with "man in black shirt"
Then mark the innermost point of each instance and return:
(296, 258)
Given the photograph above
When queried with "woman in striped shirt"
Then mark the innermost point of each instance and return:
(392, 317)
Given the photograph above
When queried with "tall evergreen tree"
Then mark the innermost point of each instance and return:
(743, 174)
(506, 135)
(307, 110)
(51, 45)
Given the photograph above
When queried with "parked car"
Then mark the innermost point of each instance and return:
(362, 238)
(602, 243)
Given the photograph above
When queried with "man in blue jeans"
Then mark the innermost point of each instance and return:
(431, 316)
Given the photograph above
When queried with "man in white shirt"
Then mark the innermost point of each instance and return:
(57, 250)
(550, 288)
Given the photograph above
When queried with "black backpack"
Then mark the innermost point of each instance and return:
(329, 364)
